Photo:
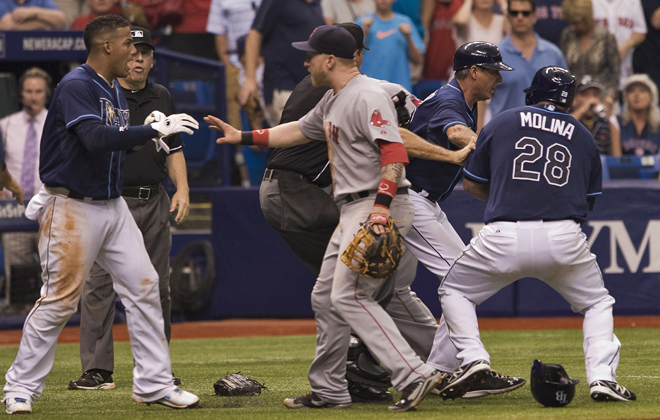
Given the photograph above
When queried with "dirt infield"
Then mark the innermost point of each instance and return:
(275, 327)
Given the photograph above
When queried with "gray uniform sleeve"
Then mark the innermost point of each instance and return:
(311, 124)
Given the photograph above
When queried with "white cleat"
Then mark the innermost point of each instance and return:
(18, 406)
(178, 398)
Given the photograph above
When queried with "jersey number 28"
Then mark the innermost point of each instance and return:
(557, 167)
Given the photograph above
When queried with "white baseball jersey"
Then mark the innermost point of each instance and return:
(351, 121)
(622, 18)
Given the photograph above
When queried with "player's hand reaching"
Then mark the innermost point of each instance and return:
(232, 135)
(378, 219)
(10, 183)
(460, 156)
(176, 123)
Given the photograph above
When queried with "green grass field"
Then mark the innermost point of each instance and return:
(282, 362)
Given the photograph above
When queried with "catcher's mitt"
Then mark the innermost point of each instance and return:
(237, 385)
(373, 255)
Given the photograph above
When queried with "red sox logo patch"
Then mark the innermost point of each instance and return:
(377, 119)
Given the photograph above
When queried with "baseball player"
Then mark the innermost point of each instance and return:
(539, 171)
(448, 117)
(150, 206)
(84, 220)
(358, 120)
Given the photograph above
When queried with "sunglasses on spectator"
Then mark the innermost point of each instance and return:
(525, 13)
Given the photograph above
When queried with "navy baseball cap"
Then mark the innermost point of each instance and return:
(141, 36)
(356, 31)
(329, 39)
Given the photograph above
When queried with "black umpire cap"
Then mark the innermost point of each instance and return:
(141, 36)
(479, 53)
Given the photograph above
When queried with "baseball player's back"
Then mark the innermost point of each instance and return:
(541, 164)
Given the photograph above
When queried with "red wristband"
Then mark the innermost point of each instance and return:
(386, 192)
(255, 137)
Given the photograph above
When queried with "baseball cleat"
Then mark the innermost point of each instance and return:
(414, 393)
(312, 400)
(178, 398)
(464, 377)
(18, 406)
(93, 379)
(495, 383)
(610, 391)
(176, 380)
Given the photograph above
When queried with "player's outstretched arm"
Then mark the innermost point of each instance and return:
(7, 181)
(390, 177)
(417, 147)
(478, 191)
(283, 135)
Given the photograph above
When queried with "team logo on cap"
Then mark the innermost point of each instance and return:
(377, 119)
(137, 34)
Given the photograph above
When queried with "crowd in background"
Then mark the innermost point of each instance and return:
(611, 46)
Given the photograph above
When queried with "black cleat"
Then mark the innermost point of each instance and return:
(610, 391)
(414, 393)
(93, 379)
(495, 383)
(463, 378)
(312, 400)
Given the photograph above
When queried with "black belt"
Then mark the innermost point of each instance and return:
(143, 193)
(285, 173)
(363, 194)
(429, 196)
(72, 194)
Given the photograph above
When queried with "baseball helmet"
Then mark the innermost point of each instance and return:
(553, 84)
(479, 53)
(551, 385)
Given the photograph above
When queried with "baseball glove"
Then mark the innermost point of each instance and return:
(237, 385)
(373, 255)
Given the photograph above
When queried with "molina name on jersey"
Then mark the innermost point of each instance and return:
(540, 162)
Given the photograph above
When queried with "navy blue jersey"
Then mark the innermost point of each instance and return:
(65, 160)
(444, 108)
(540, 162)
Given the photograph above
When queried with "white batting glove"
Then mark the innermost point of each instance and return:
(175, 123)
(154, 117)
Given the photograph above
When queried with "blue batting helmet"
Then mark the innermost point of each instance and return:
(551, 385)
(479, 53)
(553, 84)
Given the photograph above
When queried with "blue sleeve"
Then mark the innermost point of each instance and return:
(5, 7)
(477, 168)
(97, 137)
(48, 4)
(446, 116)
(267, 17)
(78, 102)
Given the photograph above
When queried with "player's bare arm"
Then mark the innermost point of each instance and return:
(9, 182)
(283, 135)
(417, 147)
(460, 135)
(390, 174)
(176, 168)
(477, 190)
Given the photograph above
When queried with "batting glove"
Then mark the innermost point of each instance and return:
(157, 116)
(175, 123)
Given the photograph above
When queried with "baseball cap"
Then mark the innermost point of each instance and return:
(357, 32)
(141, 36)
(587, 82)
(329, 39)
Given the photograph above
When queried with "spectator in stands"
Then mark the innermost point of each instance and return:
(640, 119)
(189, 36)
(437, 18)
(339, 11)
(412, 9)
(590, 49)
(96, 8)
(130, 10)
(393, 44)
(589, 110)
(21, 136)
(624, 20)
(72, 9)
(526, 52)
(549, 23)
(276, 25)
(28, 15)
(476, 21)
(646, 58)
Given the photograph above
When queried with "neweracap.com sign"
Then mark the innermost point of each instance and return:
(42, 45)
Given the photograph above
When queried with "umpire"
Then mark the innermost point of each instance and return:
(146, 168)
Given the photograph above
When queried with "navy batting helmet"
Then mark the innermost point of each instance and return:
(553, 84)
(479, 53)
(551, 385)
